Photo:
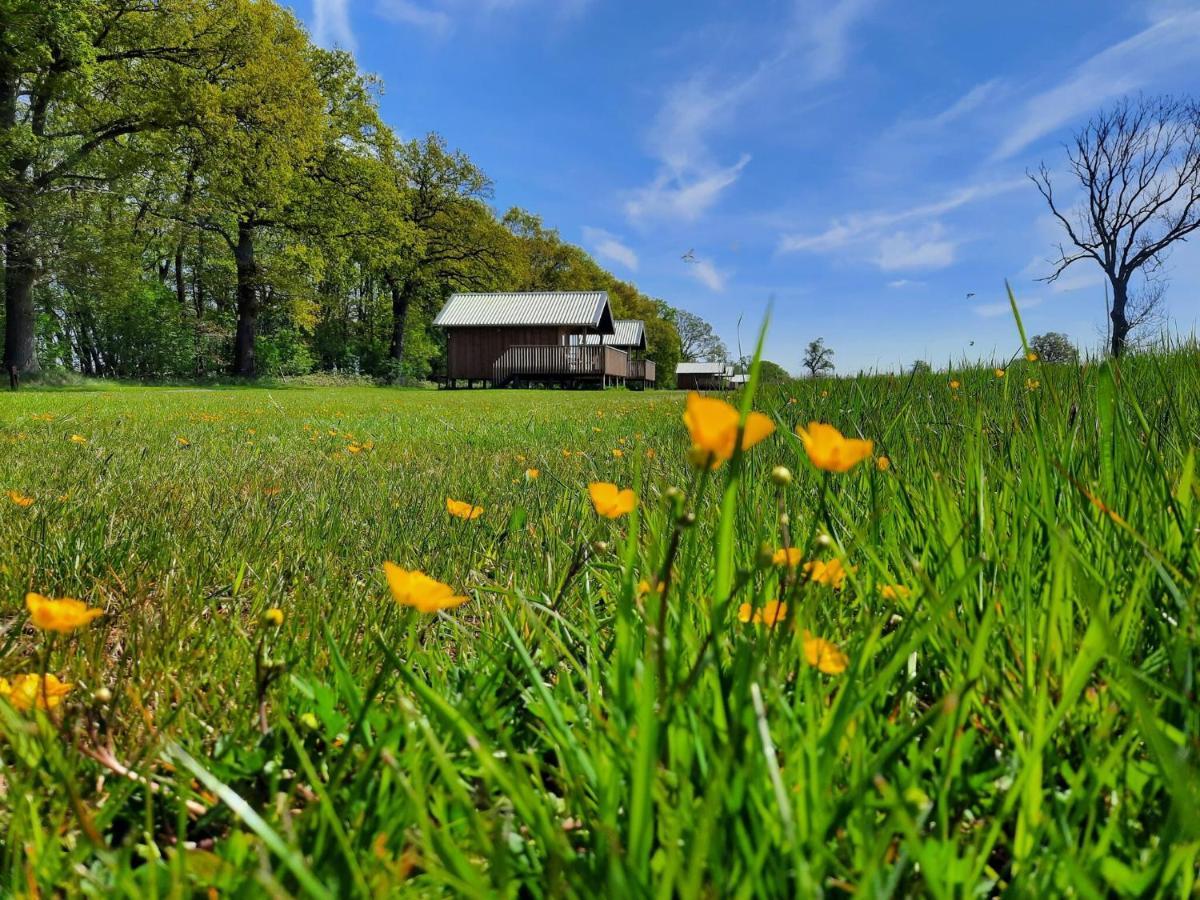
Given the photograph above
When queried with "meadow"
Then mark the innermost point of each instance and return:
(985, 684)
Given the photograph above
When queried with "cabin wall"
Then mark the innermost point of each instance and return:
(694, 382)
(470, 352)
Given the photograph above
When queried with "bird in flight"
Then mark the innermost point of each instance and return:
(970, 294)
(690, 256)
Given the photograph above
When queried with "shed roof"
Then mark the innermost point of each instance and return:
(626, 333)
(702, 368)
(581, 309)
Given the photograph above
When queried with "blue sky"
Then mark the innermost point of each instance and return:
(859, 162)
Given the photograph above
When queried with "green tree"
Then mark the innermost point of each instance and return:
(1053, 347)
(818, 358)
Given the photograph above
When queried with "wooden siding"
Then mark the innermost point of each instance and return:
(642, 370)
(701, 382)
(472, 352)
(535, 361)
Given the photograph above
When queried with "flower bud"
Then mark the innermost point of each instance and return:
(781, 475)
(824, 540)
(103, 696)
(687, 520)
(600, 546)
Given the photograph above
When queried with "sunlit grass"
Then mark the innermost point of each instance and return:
(1012, 601)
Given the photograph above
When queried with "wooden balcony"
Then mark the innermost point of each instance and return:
(560, 363)
(642, 370)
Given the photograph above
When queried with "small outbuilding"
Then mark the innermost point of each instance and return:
(703, 376)
(527, 339)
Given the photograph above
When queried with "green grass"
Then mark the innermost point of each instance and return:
(1026, 720)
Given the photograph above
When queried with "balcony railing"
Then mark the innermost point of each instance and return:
(556, 361)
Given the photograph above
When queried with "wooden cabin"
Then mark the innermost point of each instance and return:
(702, 376)
(630, 335)
(531, 339)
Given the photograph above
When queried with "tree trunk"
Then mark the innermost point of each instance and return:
(1120, 324)
(400, 303)
(20, 272)
(247, 302)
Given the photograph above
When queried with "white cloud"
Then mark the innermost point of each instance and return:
(821, 34)
(443, 16)
(901, 283)
(923, 248)
(682, 197)
(708, 275)
(875, 234)
(1168, 47)
(968, 103)
(331, 24)
(1004, 308)
(609, 246)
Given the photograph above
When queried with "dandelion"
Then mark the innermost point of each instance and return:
(832, 573)
(416, 589)
(78, 439)
(532, 474)
(20, 499)
(895, 592)
(713, 425)
(610, 501)
(830, 450)
(63, 615)
(883, 464)
(26, 691)
(463, 510)
(999, 373)
(787, 556)
(955, 384)
(772, 613)
(823, 655)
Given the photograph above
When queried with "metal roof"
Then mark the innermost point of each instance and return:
(626, 333)
(702, 368)
(582, 309)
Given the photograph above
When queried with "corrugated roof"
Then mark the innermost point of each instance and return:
(584, 309)
(702, 368)
(626, 333)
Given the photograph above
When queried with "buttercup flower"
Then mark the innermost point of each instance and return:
(418, 590)
(772, 613)
(78, 439)
(895, 592)
(830, 450)
(63, 615)
(832, 573)
(463, 510)
(618, 453)
(883, 464)
(999, 373)
(955, 385)
(532, 474)
(789, 557)
(273, 616)
(24, 692)
(20, 499)
(713, 425)
(824, 655)
(610, 501)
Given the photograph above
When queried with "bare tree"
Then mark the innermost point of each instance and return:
(818, 358)
(1139, 166)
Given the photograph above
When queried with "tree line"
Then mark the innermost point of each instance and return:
(190, 187)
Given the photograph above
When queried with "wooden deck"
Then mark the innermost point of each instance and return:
(643, 371)
(563, 364)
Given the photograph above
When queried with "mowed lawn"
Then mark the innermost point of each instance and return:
(998, 692)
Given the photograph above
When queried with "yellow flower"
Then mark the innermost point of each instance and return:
(354, 449)
(610, 501)
(830, 450)
(999, 373)
(29, 690)
(418, 590)
(832, 573)
(78, 439)
(1032, 384)
(883, 464)
(183, 442)
(273, 616)
(824, 394)
(1031, 356)
(463, 510)
(772, 613)
(789, 557)
(63, 615)
(618, 453)
(895, 592)
(713, 425)
(43, 417)
(532, 474)
(650, 454)
(566, 453)
(823, 655)
(20, 499)
(955, 384)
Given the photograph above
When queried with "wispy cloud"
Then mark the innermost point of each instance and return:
(1169, 46)
(608, 246)
(444, 16)
(708, 274)
(691, 178)
(331, 24)
(901, 283)
(911, 238)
